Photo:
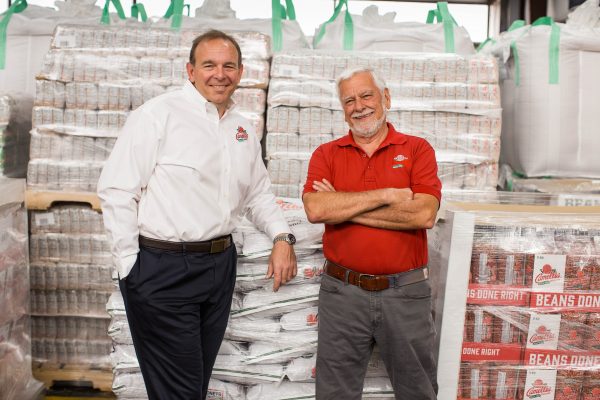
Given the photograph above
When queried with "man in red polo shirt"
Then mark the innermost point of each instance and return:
(377, 191)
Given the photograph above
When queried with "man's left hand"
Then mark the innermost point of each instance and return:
(282, 264)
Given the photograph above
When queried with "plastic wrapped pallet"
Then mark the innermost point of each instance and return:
(517, 299)
(71, 271)
(452, 101)
(373, 32)
(16, 380)
(94, 76)
(549, 97)
(14, 134)
(28, 36)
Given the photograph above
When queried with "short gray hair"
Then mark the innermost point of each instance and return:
(350, 72)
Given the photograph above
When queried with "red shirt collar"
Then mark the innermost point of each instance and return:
(393, 137)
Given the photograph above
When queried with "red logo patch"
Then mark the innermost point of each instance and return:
(241, 135)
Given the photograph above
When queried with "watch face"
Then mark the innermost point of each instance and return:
(291, 239)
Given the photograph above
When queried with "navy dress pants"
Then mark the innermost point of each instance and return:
(177, 307)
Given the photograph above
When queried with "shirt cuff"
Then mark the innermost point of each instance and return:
(277, 228)
(125, 264)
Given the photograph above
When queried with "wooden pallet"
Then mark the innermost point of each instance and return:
(44, 199)
(77, 375)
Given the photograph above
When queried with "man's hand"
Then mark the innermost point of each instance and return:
(390, 195)
(282, 264)
(323, 186)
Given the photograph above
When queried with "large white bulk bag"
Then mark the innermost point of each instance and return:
(373, 32)
(283, 28)
(27, 34)
(551, 118)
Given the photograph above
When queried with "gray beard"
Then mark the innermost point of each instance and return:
(371, 130)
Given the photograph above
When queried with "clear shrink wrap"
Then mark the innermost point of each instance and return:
(452, 101)
(16, 380)
(93, 77)
(516, 301)
(71, 281)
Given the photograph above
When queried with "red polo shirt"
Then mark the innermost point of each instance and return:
(401, 161)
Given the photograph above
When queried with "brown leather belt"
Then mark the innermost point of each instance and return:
(217, 245)
(375, 282)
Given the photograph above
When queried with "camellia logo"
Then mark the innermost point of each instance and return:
(538, 389)
(312, 319)
(241, 135)
(286, 205)
(547, 274)
(541, 335)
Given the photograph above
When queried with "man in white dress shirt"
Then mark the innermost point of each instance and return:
(184, 170)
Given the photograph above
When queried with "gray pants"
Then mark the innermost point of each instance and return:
(351, 320)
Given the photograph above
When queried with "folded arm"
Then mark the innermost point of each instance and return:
(331, 207)
(388, 208)
(418, 213)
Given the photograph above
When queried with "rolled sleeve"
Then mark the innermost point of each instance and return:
(424, 172)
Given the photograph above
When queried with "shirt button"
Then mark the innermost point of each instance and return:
(364, 155)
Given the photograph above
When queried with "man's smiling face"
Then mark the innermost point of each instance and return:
(364, 104)
(216, 72)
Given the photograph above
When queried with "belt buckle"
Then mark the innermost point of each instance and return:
(359, 280)
(217, 246)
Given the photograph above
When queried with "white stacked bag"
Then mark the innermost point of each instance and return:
(94, 76)
(550, 95)
(71, 265)
(453, 101)
(372, 32)
(29, 31)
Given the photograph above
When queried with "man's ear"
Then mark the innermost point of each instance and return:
(190, 71)
(388, 98)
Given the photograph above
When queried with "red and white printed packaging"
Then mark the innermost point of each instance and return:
(591, 386)
(473, 382)
(540, 384)
(573, 331)
(544, 331)
(568, 384)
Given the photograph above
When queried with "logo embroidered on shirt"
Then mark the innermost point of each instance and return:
(241, 135)
(399, 158)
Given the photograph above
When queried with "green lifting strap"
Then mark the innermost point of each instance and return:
(485, 43)
(519, 23)
(279, 13)
(175, 11)
(432, 15)
(449, 23)
(291, 11)
(515, 52)
(139, 9)
(348, 26)
(106, 15)
(553, 47)
(16, 7)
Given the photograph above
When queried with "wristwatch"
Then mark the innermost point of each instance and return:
(285, 237)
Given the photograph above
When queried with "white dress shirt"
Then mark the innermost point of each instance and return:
(179, 173)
